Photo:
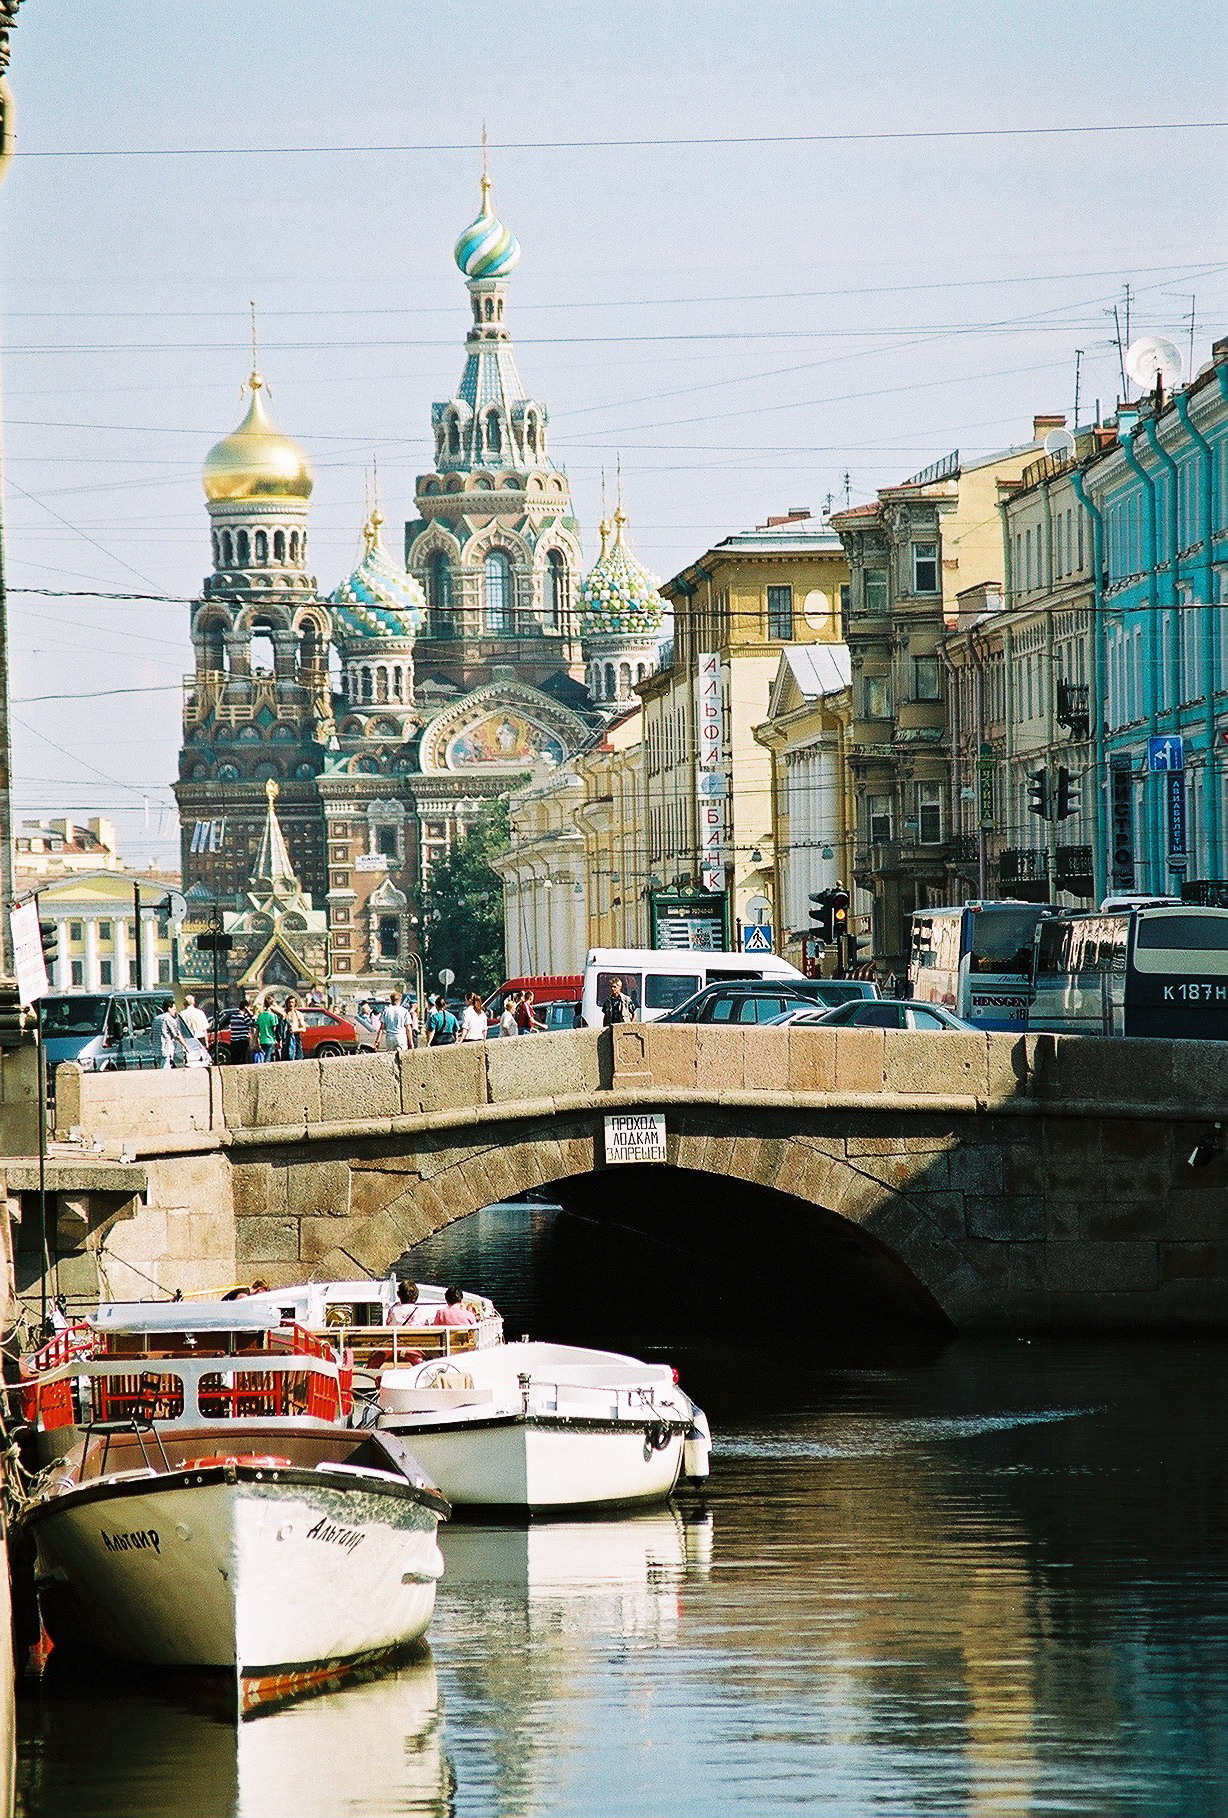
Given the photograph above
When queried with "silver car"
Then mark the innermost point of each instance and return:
(111, 1031)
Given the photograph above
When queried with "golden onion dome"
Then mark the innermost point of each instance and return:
(256, 461)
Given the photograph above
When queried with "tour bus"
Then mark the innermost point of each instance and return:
(657, 982)
(1133, 972)
(976, 961)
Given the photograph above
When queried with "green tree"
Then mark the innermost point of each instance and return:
(462, 904)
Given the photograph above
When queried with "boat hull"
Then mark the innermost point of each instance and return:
(538, 1464)
(276, 1576)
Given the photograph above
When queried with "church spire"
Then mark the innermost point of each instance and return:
(273, 868)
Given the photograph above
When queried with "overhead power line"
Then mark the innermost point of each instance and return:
(469, 148)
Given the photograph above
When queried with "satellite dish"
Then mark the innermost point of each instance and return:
(1059, 443)
(1151, 357)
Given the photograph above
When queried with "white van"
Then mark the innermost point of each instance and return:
(657, 982)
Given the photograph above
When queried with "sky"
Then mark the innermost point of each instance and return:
(748, 327)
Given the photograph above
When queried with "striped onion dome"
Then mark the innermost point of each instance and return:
(379, 600)
(487, 249)
(618, 595)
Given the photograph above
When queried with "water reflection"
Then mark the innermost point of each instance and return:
(365, 1751)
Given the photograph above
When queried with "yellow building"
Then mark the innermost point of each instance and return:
(573, 874)
(53, 848)
(95, 918)
(743, 602)
(806, 731)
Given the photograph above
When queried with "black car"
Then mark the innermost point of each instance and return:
(760, 1000)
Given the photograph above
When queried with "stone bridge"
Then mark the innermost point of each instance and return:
(984, 1180)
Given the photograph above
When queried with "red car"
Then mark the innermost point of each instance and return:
(326, 1034)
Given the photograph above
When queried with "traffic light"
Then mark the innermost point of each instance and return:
(10, 1016)
(49, 933)
(822, 914)
(840, 911)
(1038, 794)
(854, 952)
(1066, 803)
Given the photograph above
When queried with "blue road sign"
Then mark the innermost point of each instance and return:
(757, 938)
(1166, 753)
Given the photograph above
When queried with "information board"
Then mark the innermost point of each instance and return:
(635, 1137)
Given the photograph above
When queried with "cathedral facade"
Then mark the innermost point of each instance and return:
(390, 712)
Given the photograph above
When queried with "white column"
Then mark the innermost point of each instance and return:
(92, 982)
(147, 934)
(121, 953)
(63, 965)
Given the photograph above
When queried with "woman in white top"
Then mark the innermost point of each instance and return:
(507, 1022)
(473, 1020)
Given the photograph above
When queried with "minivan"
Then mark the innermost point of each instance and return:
(657, 982)
(109, 1031)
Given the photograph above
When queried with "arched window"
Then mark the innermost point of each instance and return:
(609, 681)
(243, 549)
(454, 446)
(558, 590)
(494, 435)
(641, 670)
(294, 546)
(217, 551)
(439, 594)
(309, 648)
(213, 645)
(366, 684)
(262, 651)
(624, 680)
(398, 683)
(498, 591)
(381, 683)
(262, 547)
(279, 545)
(530, 433)
(228, 550)
(490, 309)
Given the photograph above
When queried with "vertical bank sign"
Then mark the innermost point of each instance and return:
(710, 771)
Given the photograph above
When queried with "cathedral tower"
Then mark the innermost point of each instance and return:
(257, 708)
(495, 545)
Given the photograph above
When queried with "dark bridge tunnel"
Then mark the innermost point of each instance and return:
(654, 1254)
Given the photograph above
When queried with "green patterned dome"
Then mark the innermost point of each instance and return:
(379, 600)
(619, 595)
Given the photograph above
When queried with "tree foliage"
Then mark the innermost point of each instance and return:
(462, 905)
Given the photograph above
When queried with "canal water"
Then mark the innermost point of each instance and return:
(974, 1579)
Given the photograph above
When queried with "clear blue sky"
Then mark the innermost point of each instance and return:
(744, 324)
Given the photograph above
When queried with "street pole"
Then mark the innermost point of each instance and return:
(140, 963)
(8, 10)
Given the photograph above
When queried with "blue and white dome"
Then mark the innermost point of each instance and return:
(379, 600)
(618, 595)
(487, 249)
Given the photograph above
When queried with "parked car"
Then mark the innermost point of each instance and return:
(326, 1034)
(763, 1000)
(109, 1031)
(883, 1013)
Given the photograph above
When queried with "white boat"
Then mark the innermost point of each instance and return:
(216, 1513)
(542, 1426)
(356, 1315)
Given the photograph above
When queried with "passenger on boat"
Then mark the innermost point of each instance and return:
(407, 1312)
(454, 1312)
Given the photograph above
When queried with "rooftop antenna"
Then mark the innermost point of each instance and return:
(1121, 356)
(1193, 311)
(1079, 354)
(848, 490)
(485, 178)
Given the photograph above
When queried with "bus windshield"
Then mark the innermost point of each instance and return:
(1001, 940)
(1181, 933)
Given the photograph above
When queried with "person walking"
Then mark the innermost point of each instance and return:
(394, 1023)
(267, 1021)
(242, 1028)
(193, 1018)
(167, 1036)
(507, 1020)
(618, 1007)
(526, 1022)
(442, 1026)
(474, 1020)
(294, 1025)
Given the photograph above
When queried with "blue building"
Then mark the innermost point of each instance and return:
(1157, 500)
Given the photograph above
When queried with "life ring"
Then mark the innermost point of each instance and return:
(264, 1460)
(658, 1436)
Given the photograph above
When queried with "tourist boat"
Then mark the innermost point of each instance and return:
(217, 1510)
(355, 1314)
(542, 1426)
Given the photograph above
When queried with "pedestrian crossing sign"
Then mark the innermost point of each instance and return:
(757, 938)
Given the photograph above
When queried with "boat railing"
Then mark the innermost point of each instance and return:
(74, 1341)
(374, 1347)
(254, 1386)
(635, 1404)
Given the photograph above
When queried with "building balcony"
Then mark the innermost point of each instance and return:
(965, 849)
(1075, 871)
(1073, 708)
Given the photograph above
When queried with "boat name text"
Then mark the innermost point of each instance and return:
(349, 1538)
(132, 1543)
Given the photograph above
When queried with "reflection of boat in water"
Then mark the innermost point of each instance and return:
(545, 1426)
(371, 1748)
(616, 1576)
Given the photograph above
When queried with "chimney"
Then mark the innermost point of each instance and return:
(796, 514)
(1042, 425)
